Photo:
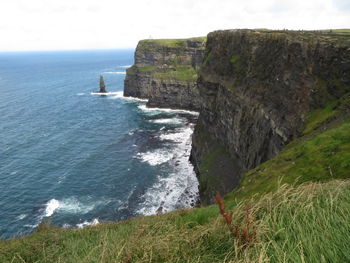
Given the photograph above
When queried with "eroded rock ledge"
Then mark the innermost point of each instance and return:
(254, 90)
(165, 72)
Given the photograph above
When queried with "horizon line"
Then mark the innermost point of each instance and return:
(60, 50)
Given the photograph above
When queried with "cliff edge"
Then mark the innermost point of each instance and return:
(254, 89)
(165, 72)
(257, 89)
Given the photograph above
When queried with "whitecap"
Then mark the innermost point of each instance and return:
(169, 121)
(120, 95)
(179, 136)
(111, 93)
(126, 66)
(22, 216)
(115, 72)
(31, 226)
(146, 109)
(73, 206)
(51, 207)
(180, 188)
(87, 223)
(156, 157)
(80, 94)
(69, 205)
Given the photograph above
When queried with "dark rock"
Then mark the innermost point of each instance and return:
(256, 89)
(165, 73)
(102, 85)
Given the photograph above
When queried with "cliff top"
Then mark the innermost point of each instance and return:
(329, 35)
(171, 43)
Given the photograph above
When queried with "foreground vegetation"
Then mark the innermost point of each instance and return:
(308, 223)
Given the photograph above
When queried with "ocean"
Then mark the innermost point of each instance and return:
(77, 159)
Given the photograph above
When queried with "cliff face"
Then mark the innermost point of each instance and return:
(256, 89)
(165, 72)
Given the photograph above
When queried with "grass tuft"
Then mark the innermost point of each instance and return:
(308, 223)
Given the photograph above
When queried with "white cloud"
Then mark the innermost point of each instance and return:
(81, 24)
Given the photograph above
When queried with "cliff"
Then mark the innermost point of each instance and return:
(254, 88)
(257, 89)
(165, 72)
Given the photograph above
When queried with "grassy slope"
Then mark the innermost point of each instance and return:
(303, 224)
(177, 70)
(322, 154)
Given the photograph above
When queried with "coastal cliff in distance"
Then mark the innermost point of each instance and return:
(165, 72)
(255, 90)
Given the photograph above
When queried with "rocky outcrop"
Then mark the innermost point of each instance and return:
(256, 88)
(102, 85)
(165, 73)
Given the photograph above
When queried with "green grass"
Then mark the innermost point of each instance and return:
(234, 59)
(168, 43)
(340, 30)
(147, 68)
(179, 72)
(324, 157)
(304, 224)
(319, 116)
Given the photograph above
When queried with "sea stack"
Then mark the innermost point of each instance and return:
(102, 85)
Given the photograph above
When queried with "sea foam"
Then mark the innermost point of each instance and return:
(180, 188)
(69, 205)
(87, 223)
(156, 157)
(174, 120)
(152, 111)
(115, 72)
(120, 95)
(51, 207)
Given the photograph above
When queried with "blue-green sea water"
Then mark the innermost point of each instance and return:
(77, 159)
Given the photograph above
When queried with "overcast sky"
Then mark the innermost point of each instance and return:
(91, 24)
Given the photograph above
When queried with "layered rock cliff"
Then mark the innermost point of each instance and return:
(165, 72)
(256, 89)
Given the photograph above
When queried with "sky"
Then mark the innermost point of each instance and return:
(105, 24)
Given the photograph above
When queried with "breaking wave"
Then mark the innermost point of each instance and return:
(156, 157)
(179, 189)
(120, 95)
(51, 207)
(69, 205)
(115, 72)
(152, 111)
(87, 223)
(169, 120)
